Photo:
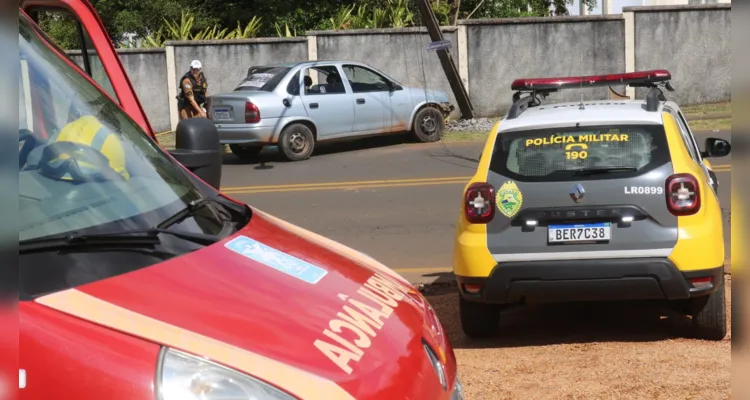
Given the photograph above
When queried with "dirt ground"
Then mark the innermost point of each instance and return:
(594, 351)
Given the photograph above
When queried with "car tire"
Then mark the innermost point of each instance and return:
(478, 320)
(710, 315)
(245, 152)
(429, 125)
(296, 142)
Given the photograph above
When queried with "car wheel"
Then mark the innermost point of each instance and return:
(710, 315)
(478, 320)
(296, 142)
(245, 152)
(429, 125)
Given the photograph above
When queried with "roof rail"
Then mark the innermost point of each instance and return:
(544, 86)
(654, 96)
(522, 104)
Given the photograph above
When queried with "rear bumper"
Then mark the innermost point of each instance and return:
(245, 133)
(588, 280)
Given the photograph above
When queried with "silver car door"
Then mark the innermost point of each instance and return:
(329, 105)
(372, 104)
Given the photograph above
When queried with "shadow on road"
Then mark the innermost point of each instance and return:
(552, 324)
(271, 153)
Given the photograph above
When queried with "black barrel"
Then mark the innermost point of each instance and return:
(197, 148)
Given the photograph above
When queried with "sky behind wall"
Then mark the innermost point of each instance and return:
(617, 6)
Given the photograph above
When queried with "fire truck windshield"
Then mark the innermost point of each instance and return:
(84, 165)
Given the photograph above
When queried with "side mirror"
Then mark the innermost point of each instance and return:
(716, 148)
(197, 148)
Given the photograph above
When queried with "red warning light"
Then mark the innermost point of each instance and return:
(640, 78)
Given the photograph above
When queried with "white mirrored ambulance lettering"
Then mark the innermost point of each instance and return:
(354, 349)
(379, 298)
(376, 284)
(362, 341)
(376, 315)
(644, 190)
(355, 318)
(361, 321)
(339, 356)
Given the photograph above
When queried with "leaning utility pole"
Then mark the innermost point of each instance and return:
(451, 72)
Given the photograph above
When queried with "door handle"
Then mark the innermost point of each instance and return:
(360, 101)
(313, 105)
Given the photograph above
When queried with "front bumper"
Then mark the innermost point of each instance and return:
(589, 280)
(446, 108)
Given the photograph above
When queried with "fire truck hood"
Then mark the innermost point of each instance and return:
(284, 305)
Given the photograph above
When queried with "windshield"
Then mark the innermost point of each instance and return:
(570, 153)
(262, 78)
(83, 162)
(87, 169)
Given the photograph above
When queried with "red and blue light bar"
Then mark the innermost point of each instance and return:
(639, 78)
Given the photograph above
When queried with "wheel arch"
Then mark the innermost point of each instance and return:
(421, 106)
(304, 121)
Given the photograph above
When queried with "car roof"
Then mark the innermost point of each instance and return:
(594, 112)
(311, 62)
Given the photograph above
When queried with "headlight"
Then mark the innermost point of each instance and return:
(458, 390)
(185, 377)
(436, 364)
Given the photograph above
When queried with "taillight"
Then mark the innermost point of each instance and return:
(479, 203)
(683, 194)
(252, 114)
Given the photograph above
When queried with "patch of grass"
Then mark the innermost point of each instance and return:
(710, 108)
(711, 124)
(465, 136)
(166, 139)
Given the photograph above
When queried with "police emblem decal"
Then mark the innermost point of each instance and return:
(509, 199)
(577, 193)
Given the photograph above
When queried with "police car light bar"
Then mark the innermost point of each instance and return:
(634, 79)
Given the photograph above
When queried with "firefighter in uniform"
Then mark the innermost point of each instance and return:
(192, 96)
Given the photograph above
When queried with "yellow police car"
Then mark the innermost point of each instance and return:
(592, 201)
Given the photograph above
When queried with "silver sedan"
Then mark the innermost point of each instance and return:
(296, 105)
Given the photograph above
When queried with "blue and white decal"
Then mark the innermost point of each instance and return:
(275, 259)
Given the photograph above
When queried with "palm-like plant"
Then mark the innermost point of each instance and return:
(249, 31)
(286, 32)
(181, 31)
(342, 19)
(399, 14)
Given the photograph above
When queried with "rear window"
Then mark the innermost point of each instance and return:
(580, 153)
(262, 78)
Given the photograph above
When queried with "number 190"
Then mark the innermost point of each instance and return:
(575, 155)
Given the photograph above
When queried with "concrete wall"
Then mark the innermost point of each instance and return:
(500, 51)
(401, 53)
(225, 62)
(692, 42)
(147, 69)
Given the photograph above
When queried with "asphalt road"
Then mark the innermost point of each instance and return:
(393, 200)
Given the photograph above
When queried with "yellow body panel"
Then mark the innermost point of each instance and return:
(471, 257)
(700, 240)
